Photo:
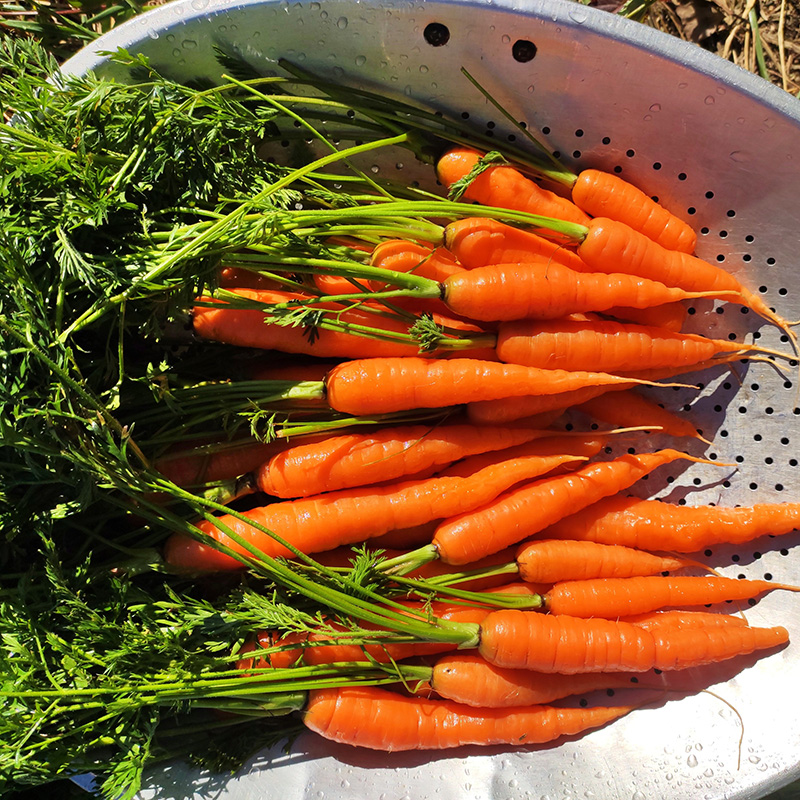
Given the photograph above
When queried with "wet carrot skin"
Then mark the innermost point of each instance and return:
(569, 645)
(381, 720)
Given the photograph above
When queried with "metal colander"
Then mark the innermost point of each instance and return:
(719, 147)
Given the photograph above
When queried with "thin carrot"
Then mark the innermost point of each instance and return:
(379, 386)
(524, 511)
(401, 255)
(469, 679)
(669, 316)
(356, 459)
(657, 525)
(544, 290)
(481, 241)
(602, 194)
(551, 560)
(570, 645)
(382, 720)
(615, 597)
(503, 186)
(323, 522)
(683, 619)
(629, 408)
(609, 346)
(241, 278)
(613, 247)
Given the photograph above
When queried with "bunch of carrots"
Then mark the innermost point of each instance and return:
(543, 579)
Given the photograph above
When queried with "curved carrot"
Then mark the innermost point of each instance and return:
(570, 645)
(469, 679)
(630, 409)
(382, 720)
(356, 459)
(401, 255)
(552, 560)
(481, 241)
(658, 525)
(547, 291)
(504, 187)
(607, 346)
(613, 247)
(378, 386)
(615, 597)
(528, 509)
(323, 522)
(602, 194)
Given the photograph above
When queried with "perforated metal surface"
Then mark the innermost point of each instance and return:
(720, 148)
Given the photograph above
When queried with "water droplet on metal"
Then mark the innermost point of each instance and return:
(152, 34)
(360, 61)
(709, 100)
(637, 795)
(341, 23)
(655, 107)
(423, 68)
(578, 15)
(505, 39)
(648, 117)
(740, 156)
(323, 14)
(188, 44)
(691, 761)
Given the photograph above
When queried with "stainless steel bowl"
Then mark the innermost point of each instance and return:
(717, 145)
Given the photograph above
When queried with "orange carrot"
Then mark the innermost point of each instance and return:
(657, 525)
(543, 290)
(240, 278)
(551, 560)
(469, 679)
(669, 316)
(481, 241)
(401, 255)
(630, 409)
(615, 597)
(607, 346)
(602, 194)
(684, 619)
(524, 511)
(504, 187)
(323, 522)
(356, 459)
(613, 247)
(570, 645)
(382, 720)
(379, 386)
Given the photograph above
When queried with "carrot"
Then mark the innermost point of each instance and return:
(608, 346)
(504, 187)
(613, 247)
(241, 278)
(615, 597)
(524, 511)
(570, 645)
(630, 409)
(379, 386)
(308, 370)
(544, 290)
(669, 316)
(323, 522)
(551, 560)
(215, 461)
(602, 194)
(382, 720)
(469, 679)
(481, 241)
(684, 619)
(657, 525)
(355, 459)
(400, 255)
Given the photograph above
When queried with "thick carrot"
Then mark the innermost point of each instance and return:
(323, 522)
(608, 346)
(524, 511)
(657, 525)
(551, 560)
(615, 597)
(628, 408)
(613, 247)
(356, 459)
(504, 187)
(379, 386)
(469, 679)
(544, 290)
(570, 645)
(602, 194)
(382, 720)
